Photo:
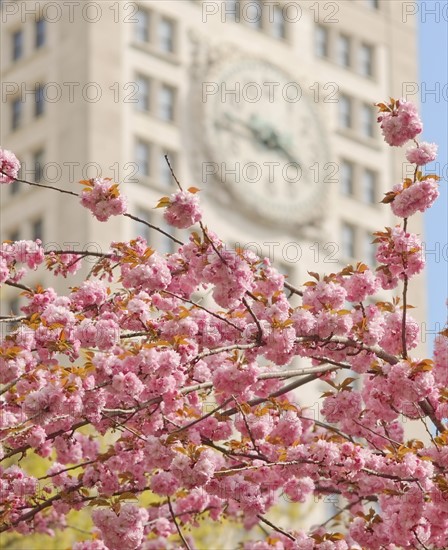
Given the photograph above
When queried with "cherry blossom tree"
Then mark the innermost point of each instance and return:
(157, 411)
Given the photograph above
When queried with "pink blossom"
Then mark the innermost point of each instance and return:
(4, 270)
(298, 489)
(102, 198)
(233, 378)
(64, 264)
(36, 436)
(392, 339)
(288, 429)
(89, 293)
(342, 405)
(422, 154)
(360, 285)
(152, 275)
(441, 359)
(30, 253)
(400, 252)
(183, 210)
(231, 275)
(164, 483)
(10, 165)
(107, 334)
(418, 197)
(401, 124)
(124, 530)
(323, 295)
(127, 384)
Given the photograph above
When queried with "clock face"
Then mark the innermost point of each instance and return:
(265, 141)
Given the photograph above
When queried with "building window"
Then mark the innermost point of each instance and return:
(141, 29)
(348, 241)
(167, 98)
(38, 230)
(344, 51)
(374, 4)
(278, 24)
(39, 96)
(369, 186)
(17, 45)
(345, 112)
(166, 35)
(38, 161)
(142, 158)
(40, 33)
(321, 44)
(253, 14)
(16, 119)
(366, 60)
(166, 178)
(143, 85)
(367, 121)
(346, 178)
(232, 10)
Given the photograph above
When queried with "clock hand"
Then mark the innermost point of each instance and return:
(270, 138)
(267, 136)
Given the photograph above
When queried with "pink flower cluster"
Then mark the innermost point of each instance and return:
(400, 122)
(422, 154)
(183, 210)
(27, 253)
(417, 197)
(102, 198)
(124, 529)
(9, 166)
(401, 255)
(232, 276)
(156, 405)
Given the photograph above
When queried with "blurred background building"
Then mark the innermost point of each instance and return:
(267, 106)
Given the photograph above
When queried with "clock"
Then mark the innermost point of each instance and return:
(265, 141)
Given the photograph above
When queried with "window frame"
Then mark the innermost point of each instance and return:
(344, 99)
(39, 100)
(161, 104)
(17, 48)
(140, 142)
(344, 57)
(321, 31)
(347, 190)
(40, 33)
(16, 113)
(171, 23)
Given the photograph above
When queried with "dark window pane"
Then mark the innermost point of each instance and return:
(17, 45)
(40, 33)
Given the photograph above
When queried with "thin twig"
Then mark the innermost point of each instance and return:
(172, 173)
(18, 285)
(35, 184)
(13, 319)
(203, 308)
(278, 529)
(183, 539)
(151, 226)
(292, 288)
(257, 322)
(197, 420)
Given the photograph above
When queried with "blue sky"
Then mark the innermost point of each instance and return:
(433, 38)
